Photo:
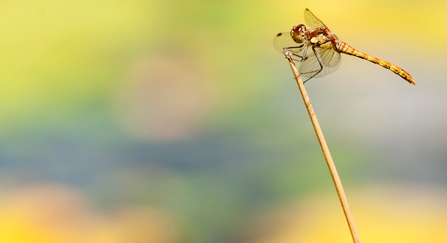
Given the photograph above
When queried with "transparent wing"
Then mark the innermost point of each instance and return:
(312, 20)
(327, 62)
(329, 57)
(283, 41)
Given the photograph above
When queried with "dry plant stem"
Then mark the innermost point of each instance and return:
(325, 148)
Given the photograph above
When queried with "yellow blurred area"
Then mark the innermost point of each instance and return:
(382, 214)
(51, 213)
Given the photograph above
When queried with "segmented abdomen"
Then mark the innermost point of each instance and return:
(347, 49)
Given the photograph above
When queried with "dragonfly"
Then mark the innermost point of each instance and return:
(318, 50)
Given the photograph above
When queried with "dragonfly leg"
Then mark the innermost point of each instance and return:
(299, 52)
(319, 63)
(304, 57)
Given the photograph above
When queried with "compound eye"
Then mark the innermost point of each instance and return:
(301, 28)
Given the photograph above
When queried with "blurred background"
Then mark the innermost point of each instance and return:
(178, 122)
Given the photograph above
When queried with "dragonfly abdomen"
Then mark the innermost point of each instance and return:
(347, 49)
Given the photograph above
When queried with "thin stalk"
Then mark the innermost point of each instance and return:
(325, 149)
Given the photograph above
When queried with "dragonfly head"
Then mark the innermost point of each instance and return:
(298, 33)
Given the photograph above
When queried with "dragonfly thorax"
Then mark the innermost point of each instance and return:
(319, 40)
(298, 33)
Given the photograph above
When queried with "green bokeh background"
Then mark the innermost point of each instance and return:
(185, 107)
